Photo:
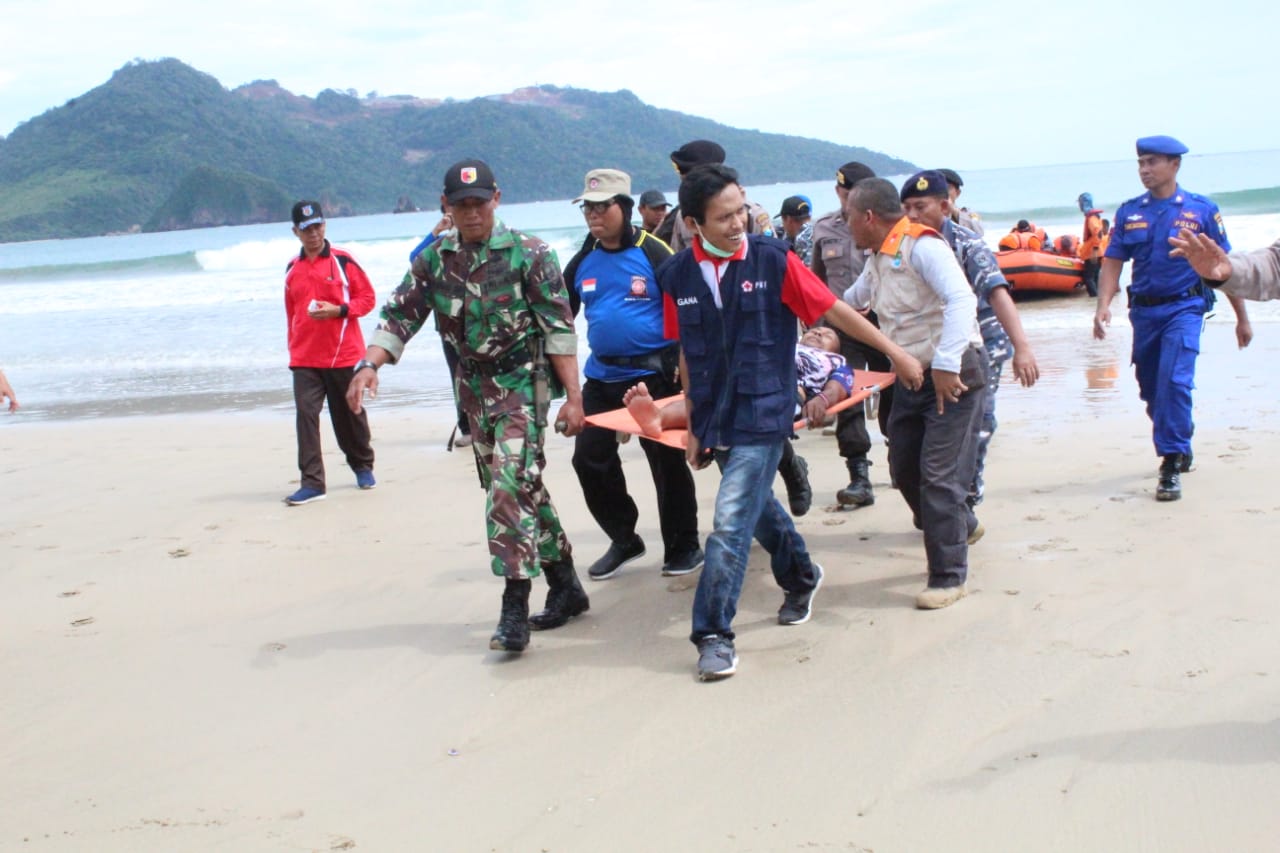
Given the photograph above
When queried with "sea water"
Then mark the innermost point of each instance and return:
(194, 320)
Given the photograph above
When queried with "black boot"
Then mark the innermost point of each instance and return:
(858, 492)
(565, 597)
(512, 634)
(795, 476)
(1169, 487)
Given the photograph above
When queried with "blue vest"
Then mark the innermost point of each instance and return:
(742, 358)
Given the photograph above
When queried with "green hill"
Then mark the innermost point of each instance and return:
(163, 146)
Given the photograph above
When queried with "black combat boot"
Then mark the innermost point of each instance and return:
(858, 492)
(512, 634)
(1169, 487)
(565, 597)
(795, 476)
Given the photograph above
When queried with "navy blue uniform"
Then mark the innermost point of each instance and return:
(1167, 304)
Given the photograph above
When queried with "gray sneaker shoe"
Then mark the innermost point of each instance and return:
(716, 658)
(797, 607)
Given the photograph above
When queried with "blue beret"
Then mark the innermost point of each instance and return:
(927, 183)
(1166, 145)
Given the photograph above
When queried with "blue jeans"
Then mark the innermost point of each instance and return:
(746, 507)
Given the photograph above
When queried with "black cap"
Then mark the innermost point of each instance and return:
(852, 172)
(653, 198)
(796, 205)
(1023, 225)
(952, 177)
(923, 184)
(469, 179)
(306, 214)
(699, 152)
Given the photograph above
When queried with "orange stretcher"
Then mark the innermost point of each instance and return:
(865, 383)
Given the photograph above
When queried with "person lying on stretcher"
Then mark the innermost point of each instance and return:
(824, 379)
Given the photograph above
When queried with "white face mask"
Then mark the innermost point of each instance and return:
(711, 250)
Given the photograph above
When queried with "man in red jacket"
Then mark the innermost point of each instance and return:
(325, 292)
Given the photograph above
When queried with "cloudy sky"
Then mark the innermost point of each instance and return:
(974, 84)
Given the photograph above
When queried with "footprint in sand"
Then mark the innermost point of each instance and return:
(1238, 446)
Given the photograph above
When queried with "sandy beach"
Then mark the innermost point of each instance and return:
(191, 665)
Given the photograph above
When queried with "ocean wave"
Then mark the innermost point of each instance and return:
(1236, 203)
(116, 269)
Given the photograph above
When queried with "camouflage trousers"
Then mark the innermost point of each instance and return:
(999, 350)
(524, 531)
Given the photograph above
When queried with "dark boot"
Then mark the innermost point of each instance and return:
(1169, 487)
(858, 492)
(512, 634)
(565, 597)
(795, 476)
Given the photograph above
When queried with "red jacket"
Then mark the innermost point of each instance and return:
(332, 276)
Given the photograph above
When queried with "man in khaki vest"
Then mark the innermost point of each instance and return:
(925, 305)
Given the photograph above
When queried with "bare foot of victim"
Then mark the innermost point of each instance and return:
(641, 406)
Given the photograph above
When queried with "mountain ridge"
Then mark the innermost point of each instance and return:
(162, 145)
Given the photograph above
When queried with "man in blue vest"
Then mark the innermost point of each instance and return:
(733, 300)
(1167, 300)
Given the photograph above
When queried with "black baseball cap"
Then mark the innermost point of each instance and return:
(653, 198)
(306, 214)
(852, 172)
(469, 179)
(952, 177)
(699, 152)
(796, 205)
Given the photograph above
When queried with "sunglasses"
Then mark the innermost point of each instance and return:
(590, 207)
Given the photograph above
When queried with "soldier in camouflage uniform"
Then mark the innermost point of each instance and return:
(500, 300)
(925, 201)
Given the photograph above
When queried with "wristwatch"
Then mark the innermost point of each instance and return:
(362, 364)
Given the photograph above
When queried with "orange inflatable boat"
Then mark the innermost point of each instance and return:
(1031, 271)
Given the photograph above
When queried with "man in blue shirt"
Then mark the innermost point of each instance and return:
(1167, 300)
(612, 277)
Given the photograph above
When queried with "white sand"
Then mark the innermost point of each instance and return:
(257, 677)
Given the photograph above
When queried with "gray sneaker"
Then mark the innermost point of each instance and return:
(716, 658)
(798, 606)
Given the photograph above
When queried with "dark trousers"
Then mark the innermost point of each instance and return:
(1089, 275)
(311, 387)
(932, 456)
(604, 486)
(851, 424)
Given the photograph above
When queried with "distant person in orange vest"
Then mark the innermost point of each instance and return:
(1023, 236)
(1091, 247)
(1106, 235)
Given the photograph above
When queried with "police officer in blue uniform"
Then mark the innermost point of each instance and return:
(1167, 300)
